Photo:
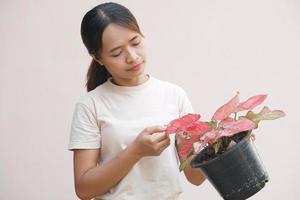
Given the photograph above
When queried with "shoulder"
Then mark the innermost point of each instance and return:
(91, 98)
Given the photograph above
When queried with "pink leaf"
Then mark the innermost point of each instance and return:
(178, 125)
(251, 103)
(187, 146)
(198, 128)
(212, 135)
(209, 138)
(226, 122)
(243, 124)
(224, 111)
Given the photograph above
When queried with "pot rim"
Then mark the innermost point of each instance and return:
(244, 140)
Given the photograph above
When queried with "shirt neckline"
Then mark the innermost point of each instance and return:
(130, 88)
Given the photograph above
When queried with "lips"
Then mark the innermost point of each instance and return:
(136, 67)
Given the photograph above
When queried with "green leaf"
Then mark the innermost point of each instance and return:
(184, 164)
(186, 161)
(212, 124)
(275, 114)
(264, 114)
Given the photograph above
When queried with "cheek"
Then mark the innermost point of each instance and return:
(115, 64)
(142, 51)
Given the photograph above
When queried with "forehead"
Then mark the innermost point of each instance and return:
(114, 35)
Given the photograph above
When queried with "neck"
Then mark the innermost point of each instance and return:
(131, 81)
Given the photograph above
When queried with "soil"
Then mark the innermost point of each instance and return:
(208, 153)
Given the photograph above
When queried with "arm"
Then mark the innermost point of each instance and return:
(193, 175)
(93, 180)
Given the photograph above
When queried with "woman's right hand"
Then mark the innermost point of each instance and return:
(152, 141)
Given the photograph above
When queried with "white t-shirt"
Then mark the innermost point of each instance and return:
(111, 116)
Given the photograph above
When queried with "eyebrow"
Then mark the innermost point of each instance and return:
(120, 46)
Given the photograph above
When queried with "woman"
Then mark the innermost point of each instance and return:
(120, 148)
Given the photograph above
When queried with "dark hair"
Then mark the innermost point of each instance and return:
(92, 26)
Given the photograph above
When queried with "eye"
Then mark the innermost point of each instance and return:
(117, 54)
(136, 43)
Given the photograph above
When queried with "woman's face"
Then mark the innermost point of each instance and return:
(123, 52)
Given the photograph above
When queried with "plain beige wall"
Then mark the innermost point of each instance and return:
(211, 48)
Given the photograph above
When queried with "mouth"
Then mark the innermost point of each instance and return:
(136, 67)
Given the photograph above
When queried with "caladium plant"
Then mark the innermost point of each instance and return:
(222, 131)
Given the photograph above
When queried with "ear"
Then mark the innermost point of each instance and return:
(96, 58)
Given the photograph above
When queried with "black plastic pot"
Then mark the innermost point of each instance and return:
(236, 174)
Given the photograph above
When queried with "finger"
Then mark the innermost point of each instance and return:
(164, 143)
(158, 137)
(154, 129)
(163, 147)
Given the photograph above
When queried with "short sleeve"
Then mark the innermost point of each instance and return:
(185, 105)
(85, 132)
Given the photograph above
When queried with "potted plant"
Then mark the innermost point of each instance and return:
(222, 147)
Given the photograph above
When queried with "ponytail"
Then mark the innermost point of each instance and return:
(96, 75)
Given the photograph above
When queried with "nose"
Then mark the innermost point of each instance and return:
(131, 56)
